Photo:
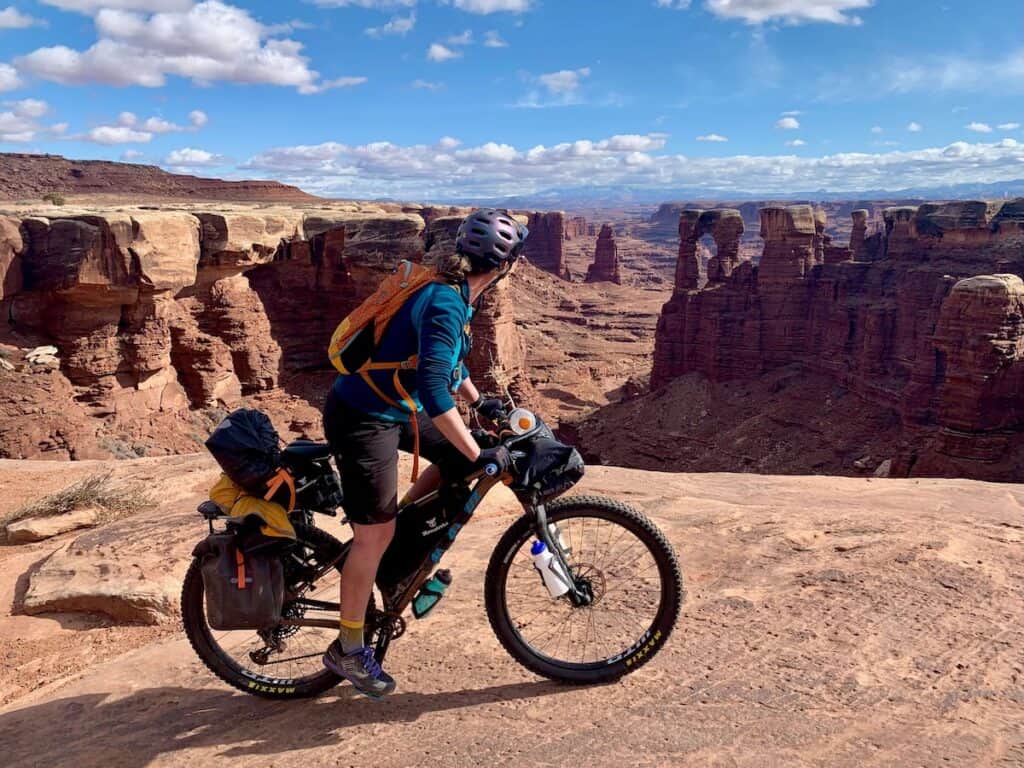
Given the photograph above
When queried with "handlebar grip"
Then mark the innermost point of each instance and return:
(490, 470)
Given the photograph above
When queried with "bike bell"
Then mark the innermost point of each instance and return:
(521, 421)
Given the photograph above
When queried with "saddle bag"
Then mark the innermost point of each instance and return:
(244, 590)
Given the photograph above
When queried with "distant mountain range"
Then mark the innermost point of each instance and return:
(624, 197)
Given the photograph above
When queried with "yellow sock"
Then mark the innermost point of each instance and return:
(351, 635)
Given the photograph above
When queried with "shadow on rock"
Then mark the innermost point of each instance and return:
(95, 730)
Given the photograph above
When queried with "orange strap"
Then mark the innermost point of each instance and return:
(283, 477)
(410, 404)
(240, 561)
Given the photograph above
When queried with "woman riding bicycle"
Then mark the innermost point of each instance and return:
(366, 429)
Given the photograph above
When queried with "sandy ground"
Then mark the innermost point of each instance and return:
(830, 622)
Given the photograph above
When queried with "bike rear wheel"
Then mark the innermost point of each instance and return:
(630, 569)
(284, 663)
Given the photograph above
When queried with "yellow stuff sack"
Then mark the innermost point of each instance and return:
(358, 335)
(233, 499)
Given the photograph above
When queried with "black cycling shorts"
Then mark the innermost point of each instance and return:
(366, 449)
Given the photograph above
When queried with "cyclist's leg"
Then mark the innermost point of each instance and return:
(366, 450)
(446, 460)
(367, 455)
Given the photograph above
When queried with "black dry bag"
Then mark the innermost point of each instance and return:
(243, 590)
(245, 444)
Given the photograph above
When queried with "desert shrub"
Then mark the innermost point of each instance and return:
(54, 197)
(112, 499)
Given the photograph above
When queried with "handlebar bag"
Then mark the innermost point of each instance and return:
(550, 468)
(244, 590)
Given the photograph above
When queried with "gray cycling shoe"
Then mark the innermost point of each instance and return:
(361, 669)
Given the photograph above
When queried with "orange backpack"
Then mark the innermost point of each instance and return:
(357, 337)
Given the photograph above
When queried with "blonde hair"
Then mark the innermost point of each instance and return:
(452, 267)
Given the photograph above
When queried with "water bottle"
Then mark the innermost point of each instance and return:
(431, 593)
(550, 569)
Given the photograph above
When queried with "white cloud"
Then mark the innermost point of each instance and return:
(679, 5)
(796, 143)
(129, 128)
(979, 127)
(877, 130)
(20, 123)
(492, 6)
(193, 158)
(207, 42)
(147, 6)
(426, 85)
(9, 79)
(1008, 126)
(327, 85)
(12, 18)
(789, 11)
(792, 113)
(494, 169)
(116, 134)
(494, 40)
(131, 154)
(448, 142)
(955, 73)
(713, 137)
(365, 3)
(398, 25)
(914, 127)
(464, 38)
(564, 80)
(438, 52)
(159, 125)
(31, 108)
(788, 124)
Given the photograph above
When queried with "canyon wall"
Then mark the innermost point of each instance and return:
(162, 319)
(606, 258)
(544, 246)
(926, 318)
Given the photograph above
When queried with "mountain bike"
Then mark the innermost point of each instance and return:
(621, 587)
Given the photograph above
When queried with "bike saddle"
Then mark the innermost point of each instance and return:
(210, 510)
(307, 450)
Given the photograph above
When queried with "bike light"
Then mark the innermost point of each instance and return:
(521, 421)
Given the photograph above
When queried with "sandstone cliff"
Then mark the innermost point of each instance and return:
(29, 177)
(606, 258)
(926, 319)
(544, 246)
(161, 319)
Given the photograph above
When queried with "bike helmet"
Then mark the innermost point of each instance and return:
(491, 239)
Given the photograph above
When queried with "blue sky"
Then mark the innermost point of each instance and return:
(417, 99)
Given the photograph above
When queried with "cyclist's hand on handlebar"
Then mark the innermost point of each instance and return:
(490, 408)
(497, 457)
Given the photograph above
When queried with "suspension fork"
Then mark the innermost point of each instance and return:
(576, 597)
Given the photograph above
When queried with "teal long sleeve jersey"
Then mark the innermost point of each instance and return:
(434, 324)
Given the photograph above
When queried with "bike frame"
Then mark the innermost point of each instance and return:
(480, 484)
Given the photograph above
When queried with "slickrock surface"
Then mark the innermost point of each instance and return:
(832, 622)
(606, 258)
(925, 321)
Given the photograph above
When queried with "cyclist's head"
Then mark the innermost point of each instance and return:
(491, 240)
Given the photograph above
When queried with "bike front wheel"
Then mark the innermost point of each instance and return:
(620, 559)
